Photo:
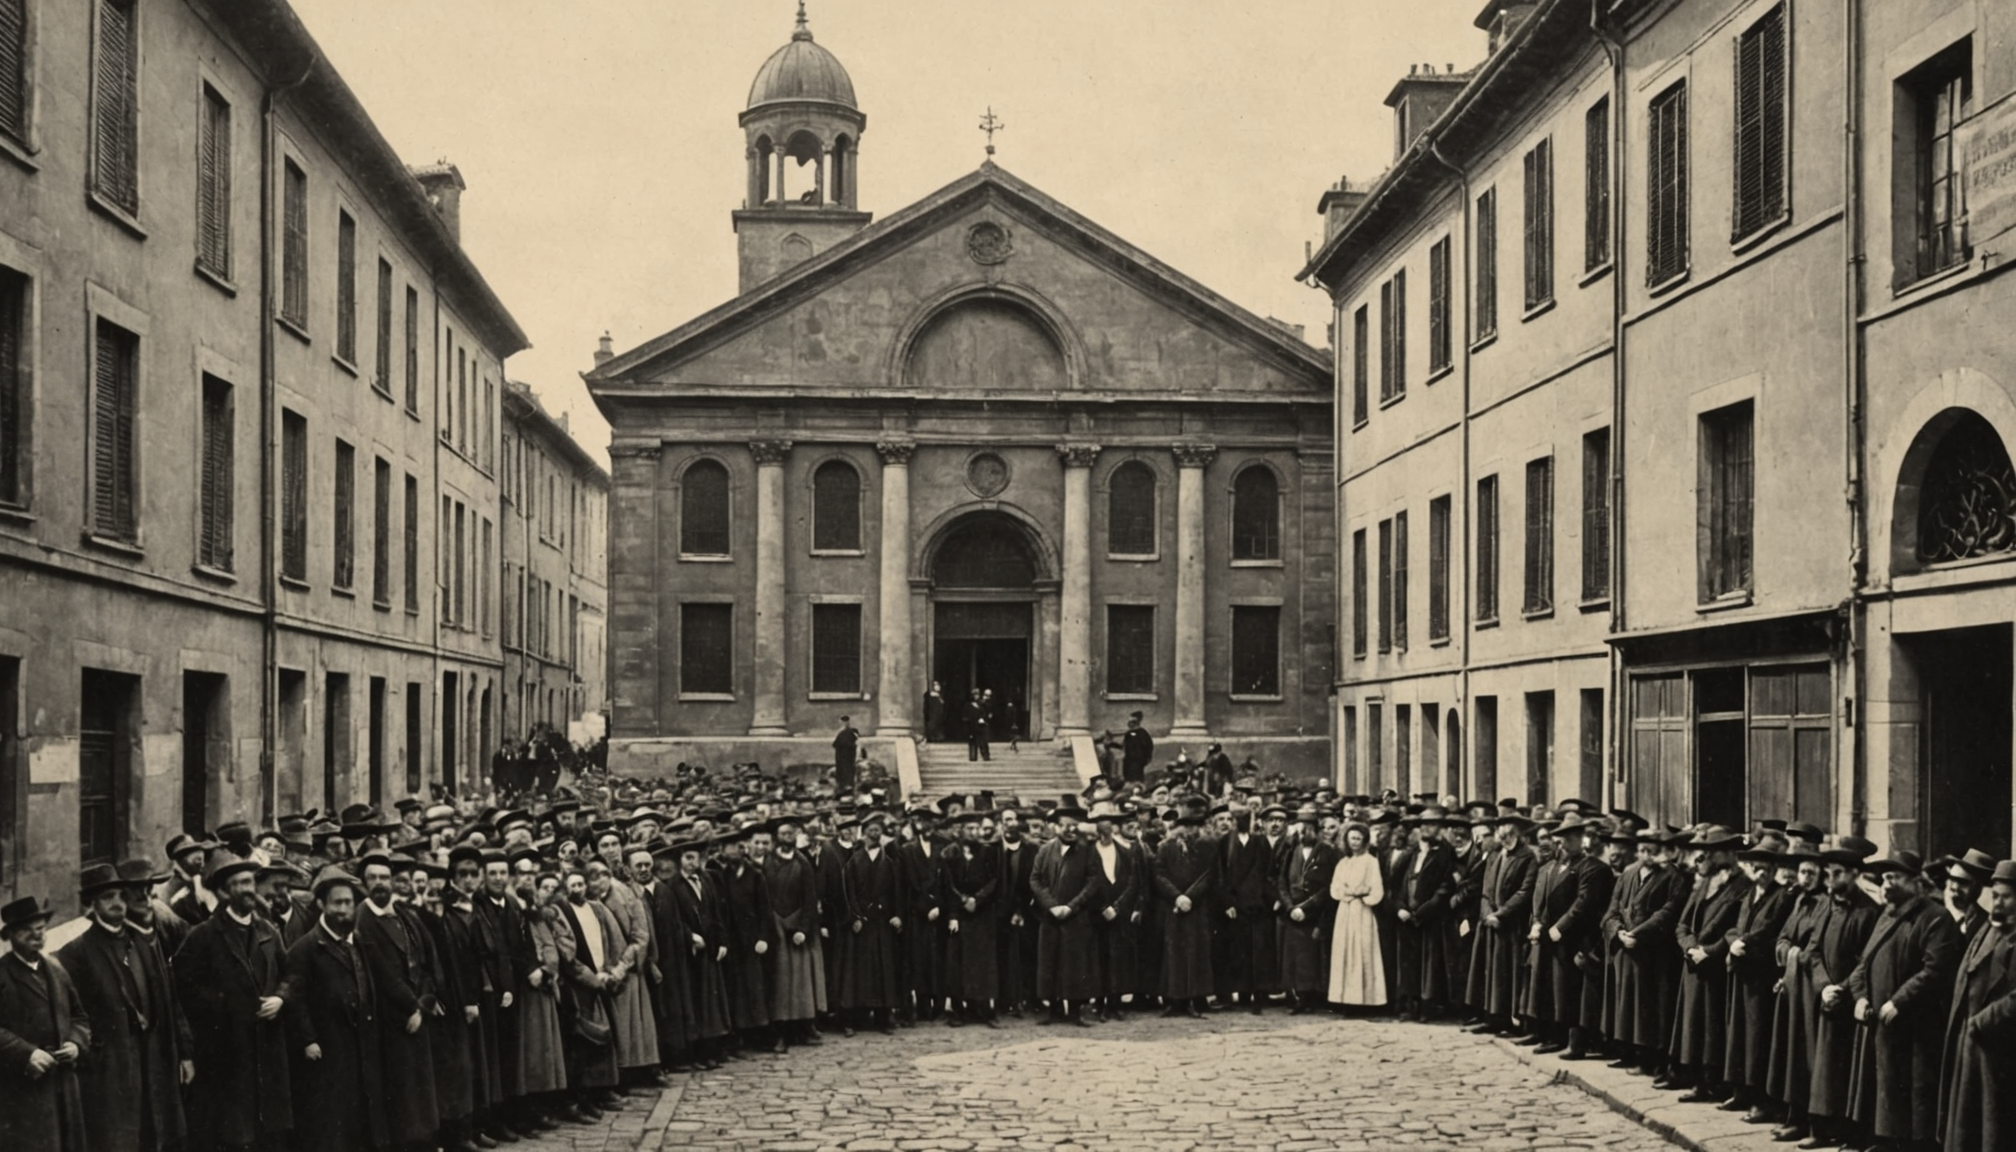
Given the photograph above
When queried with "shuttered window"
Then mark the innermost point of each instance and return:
(1539, 182)
(1400, 581)
(412, 544)
(14, 69)
(213, 184)
(1666, 184)
(1487, 265)
(1596, 515)
(703, 510)
(458, 586)
(294, 496)
(294, 246)
(1256, 514)
(345, 528)
(13, 387)
(1256, 651)
(1487, 550)
(836, 508)
(1130, 649)
(1130, 510)
(486, 571)
(213, 546)
(707, 649)
(1393, 337)
(836, 648)
(346, 287)
(1359, 590)
(1385, 585)
(1438, 568)
(412, 350)
(115, 372)
(1539, 583)
(381, 533)
(1760, 125)
(1725, 486)
(381, 377)
(1596, 185)
(1361, 365)
(115, 100)
(1438, 306)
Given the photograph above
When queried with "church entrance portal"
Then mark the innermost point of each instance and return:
(983, 623)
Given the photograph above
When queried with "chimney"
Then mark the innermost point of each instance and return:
(1501, 18)
(603, 352)
(1338, 204)
(443, 184)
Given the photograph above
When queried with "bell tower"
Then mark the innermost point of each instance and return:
(804, 137)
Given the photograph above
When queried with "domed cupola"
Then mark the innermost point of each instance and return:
(802, 70)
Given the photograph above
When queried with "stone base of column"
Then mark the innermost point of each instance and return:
(1188, 731)
(895, 731)
(769, 730)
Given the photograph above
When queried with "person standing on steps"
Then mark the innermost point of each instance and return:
(845, 746)
(934, 713)
(1137, 750)
(974, 718)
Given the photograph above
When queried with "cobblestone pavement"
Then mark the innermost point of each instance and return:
(1272, 1084)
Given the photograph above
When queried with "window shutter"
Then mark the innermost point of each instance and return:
(345, 535)
(1539, 209)
(1385, 585)
(213, 185)
(1596, 515)
(1386, 341)
(1539, 587)
(412, 350)
(216, 537)
(346, 287)
(115, 175)
(1400, 332)
(1361, 367)
(1438, 306)
(1358, 591)
(1760, 124)
(1400, 581)
(14, 68)
(382, 376)
(1487, 264)
(1487, 548)
(112, 434)
(412, 544)
(1666, 217)
(381, 532)
(294, 496)
(1596, 186)
(294, 246)
(1438, 568)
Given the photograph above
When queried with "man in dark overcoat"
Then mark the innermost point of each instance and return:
(1302, 887)
(1246, 932)
(1137, 751)
(921, 862)
(1067, 886)
(972, 881)
(1837, 947)
(140, 1044)
(451, 1027)
(231, 977)
(44, 1033)
(1020, 918)
(1570, 907)
(751, 934)
(469, 949)
(1186, 879)
(332, 1026)
(1902, 992)
(1789, 1076)
(1504, 905)
(1420, 896)
(873, 919)
(798, 970)
(846, 747)
(1753, 976)
(397, 953)
(1703, 936)
(1979, 1073)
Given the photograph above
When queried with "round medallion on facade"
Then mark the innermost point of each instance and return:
(988, 243)
(987, 475)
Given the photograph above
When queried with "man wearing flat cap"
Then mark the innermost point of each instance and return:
(1978, 1109)
(44, 1033)
(1901, 992)
(231, 976)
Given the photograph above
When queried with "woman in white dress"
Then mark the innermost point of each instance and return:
(1357, 973)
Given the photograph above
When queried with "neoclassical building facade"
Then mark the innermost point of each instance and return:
(983, 442)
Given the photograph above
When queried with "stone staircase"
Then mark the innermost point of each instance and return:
(1040, 770)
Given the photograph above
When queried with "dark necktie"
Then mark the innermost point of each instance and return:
(136, 981)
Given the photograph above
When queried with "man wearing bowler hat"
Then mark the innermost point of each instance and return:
(1900, 993)
(43, 1034)
(231, 976)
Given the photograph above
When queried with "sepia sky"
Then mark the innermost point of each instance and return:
(600, 144)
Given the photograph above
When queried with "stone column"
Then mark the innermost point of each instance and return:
(1191, 460)
(770, 647)
(896, 714)
(1074, 642)
(636, 613)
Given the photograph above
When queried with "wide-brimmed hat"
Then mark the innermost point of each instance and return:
(332, 875)
(224, 864)
(1572, 823)
(98, 878)
(1974, 865)
(1902, 860)
(27, 910)
(140, 870)
(185, 843)
(2005, 873)
(1850, 849)
(1715, 838)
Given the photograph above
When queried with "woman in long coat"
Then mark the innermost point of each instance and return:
(1357, 973)
(542, 1048)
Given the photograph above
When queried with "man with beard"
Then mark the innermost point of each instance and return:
(1753, 975)
(140, 1043)
(190, 897)
(231, 978)
(451, 1025)
(1591, 957)
(43, 1035)
(1902, 991)
(146, 912)
(1066, 882)
(1245, 933)
(1977, 1109)
(1843, 929)
(587, 962)
(703, 949)
(1505, 902)
(402, 982)
(1303, 891)
(1420, 898)
(1702, 934)
(1019, 918)
(1186, 877)
(871, 984)
(333, 1027)
(972, 871)
(1789, 1075)
(745, 900)
(275, 883)
(798, 974)
(1568, 907)
(1117, 911)
(924, 942)
(506, 954)
(636, 1034)
(467, 932)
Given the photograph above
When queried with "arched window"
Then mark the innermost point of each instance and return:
(1967, 499)
(703, 510)
(836, 508)
(1256, 514)
(1130, 510)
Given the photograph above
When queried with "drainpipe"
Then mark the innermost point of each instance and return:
(1613, 49)
(1469, 528)
(1851, 753)
(269, 573)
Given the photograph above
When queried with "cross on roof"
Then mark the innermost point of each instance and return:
(990, 124)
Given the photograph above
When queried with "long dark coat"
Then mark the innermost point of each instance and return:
(41, 1009)
(1249, 949)
(672, 988)
(449, 1033)
(701, 914)
(745, 900)
(1067, 960)
(1459, 927)
(1571, 905)
(923, 937)
(242, 1092)
(1498, 955)
(1117, 942)
(1648, 973)
(871, 955)
(1137, 752)
(1186, 868)
(467, 943)
(1389, 858)
(1746, 1061)
(138, 1038)
(402, 981)
(334, 1006)
(506, 953)
(1909, 962)
(972, 871)
(1589, 953)
(1303, 882)
(1629, 882)
(1698, 1037)
(1796, 1008)
(1423, 888)
(1979, 1106)
(1017, 942)
(830, 863)
(1843, 929)
(793, 888)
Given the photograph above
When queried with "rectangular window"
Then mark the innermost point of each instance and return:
(706, 649)
(412, 349)
(1438, 568)
(14, 70)
(1487, 549)
(294, 496)
(1351, 780)
(1539, 747)
(381, 377)
(213, 184)
(836, 648)
(1539, 173)
(105, 740)
(1596, 186)
(1539, 584)
(1589, 774)
(1375, 746)
(1940, 98)
(1361, 365)
(1256, 651)
(1130, 649)
(1790, 766)
(1596, 515)
(294, 246)
(1358, 593)
(412, 544)
(460, 583)
(1385, 585)
(114, 395)
(1484, 742)
(14, 407)
(1725, 502)
(1393, 337)
(1666, 186)
(1760, 125)
(115, 113)
(1487, 265)
(381, 533)
(343, 570)
(346, 288)
(213, 544)
(485, 573)
(1438, 306)
(1400, 581)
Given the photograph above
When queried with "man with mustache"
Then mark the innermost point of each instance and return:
(231, 976)
(333, 1027)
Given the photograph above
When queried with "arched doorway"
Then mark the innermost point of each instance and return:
(984, 573)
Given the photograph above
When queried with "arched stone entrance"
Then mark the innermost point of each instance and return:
(987, 588)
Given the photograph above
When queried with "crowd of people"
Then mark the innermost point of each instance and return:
(457, 977)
